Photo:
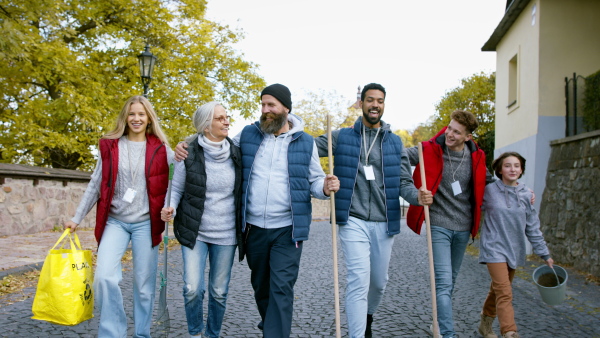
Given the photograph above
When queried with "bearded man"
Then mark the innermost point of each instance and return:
(374, 172)
(281, 170)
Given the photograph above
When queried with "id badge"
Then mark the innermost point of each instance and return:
(456, 188)
(129, 195)
(369, 174)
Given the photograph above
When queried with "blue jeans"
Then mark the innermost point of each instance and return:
(220, 258)
(448, 252)
(367, 250)
(109, 300)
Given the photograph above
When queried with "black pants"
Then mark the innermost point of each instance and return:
(274, 260)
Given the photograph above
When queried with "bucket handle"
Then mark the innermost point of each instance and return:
(555, 275)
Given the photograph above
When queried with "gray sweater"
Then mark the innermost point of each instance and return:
(217, 225)
(451, 211)
(509, 220)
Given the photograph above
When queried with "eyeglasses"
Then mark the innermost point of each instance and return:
(223, 119)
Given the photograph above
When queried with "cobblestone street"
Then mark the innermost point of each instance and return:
(404, 312)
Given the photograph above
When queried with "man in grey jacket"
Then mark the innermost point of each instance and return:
(281, 170)
(374, 172)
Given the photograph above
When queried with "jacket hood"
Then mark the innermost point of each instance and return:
(297, 123)
(506, 190)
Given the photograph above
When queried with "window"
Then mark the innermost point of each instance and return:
(513, 83)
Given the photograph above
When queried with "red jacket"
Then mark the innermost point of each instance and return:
(157, 180)
(434, 167)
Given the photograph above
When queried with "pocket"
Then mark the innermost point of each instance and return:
(248, 227)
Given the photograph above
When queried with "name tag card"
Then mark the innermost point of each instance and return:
(456, 188)
(129, 195)
(369, 174)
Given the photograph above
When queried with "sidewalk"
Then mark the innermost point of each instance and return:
(404, 312)
(27, 252)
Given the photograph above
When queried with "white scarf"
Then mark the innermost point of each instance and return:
(216, 151)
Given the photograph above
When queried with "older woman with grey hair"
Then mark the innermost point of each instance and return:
(205, 201)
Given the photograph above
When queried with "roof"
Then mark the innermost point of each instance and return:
(513, 10)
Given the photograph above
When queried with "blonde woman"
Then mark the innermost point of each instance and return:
(128, 186)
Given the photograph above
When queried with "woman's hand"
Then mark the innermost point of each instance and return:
(166, 214)
(70, 225)
(550, 262)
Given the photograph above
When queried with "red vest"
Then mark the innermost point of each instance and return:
(434, 167)
(157, 180)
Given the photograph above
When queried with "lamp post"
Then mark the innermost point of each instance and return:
(147, 61)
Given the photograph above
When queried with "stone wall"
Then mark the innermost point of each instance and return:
(34, 199)
(569, 213)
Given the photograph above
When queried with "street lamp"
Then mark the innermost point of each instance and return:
(147, 61)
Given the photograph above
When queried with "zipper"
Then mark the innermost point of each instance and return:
(289, 190)
(148, 184)
(110, 166)
(387, 221)
(245, 202)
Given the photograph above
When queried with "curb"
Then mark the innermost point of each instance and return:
(21, 269)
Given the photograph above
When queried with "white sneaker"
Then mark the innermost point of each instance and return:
(431, 329)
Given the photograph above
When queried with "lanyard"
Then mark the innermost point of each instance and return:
(134, 171)
(367, 152)
(450, 159)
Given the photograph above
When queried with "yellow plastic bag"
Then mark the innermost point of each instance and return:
(64, 292)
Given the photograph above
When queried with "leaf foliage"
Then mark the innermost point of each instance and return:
(68, 66)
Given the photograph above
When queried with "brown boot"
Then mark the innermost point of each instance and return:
(485, 327)
(511, 334)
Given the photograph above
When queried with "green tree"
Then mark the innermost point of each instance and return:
(68, 66)
(314, 107)
(477, 95)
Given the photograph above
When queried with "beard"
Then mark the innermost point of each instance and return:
(273, 126)
(370, 119)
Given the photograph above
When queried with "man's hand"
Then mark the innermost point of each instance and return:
(181, 152)
(70, 225)
(166, 214)
(425, 197)
(331, 184)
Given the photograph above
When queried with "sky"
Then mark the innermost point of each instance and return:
(418, 50)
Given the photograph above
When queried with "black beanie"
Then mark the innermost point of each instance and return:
(280, 92)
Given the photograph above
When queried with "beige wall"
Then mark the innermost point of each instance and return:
(519, 121)
(563, 40)
(569, 42)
